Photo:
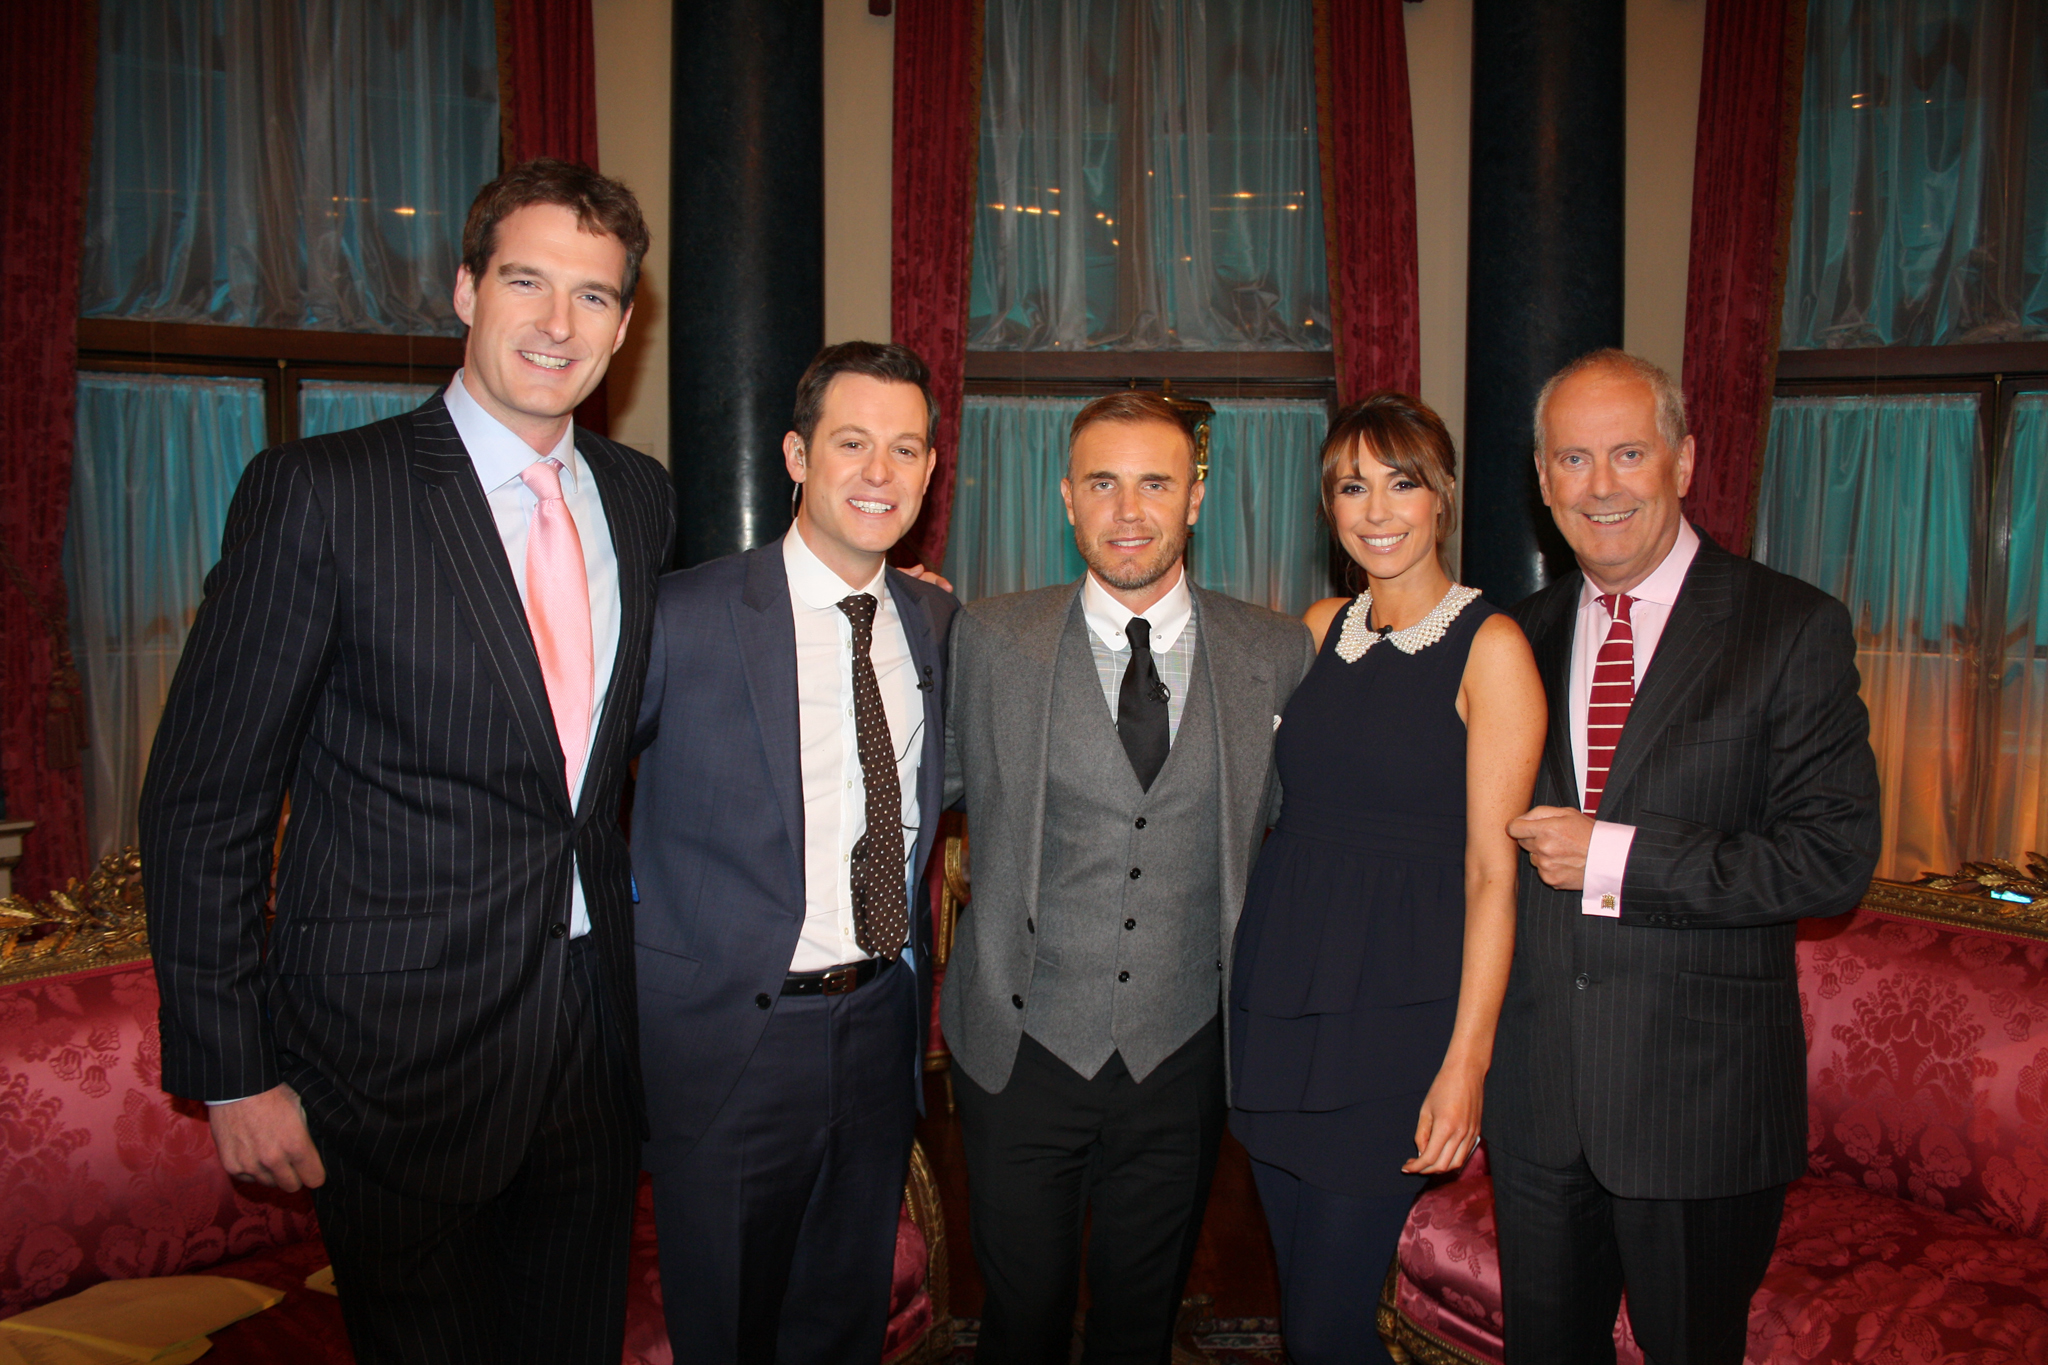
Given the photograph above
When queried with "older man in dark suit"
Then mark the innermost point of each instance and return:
(1708, 782)
(432, 632)
(786, 807)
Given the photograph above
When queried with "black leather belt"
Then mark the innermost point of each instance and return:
(834, 980)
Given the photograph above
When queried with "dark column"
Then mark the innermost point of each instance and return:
(747, 260)
(1545, 274)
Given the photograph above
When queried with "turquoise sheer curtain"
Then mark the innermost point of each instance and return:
(1876, 500)
(336, 405)
(157, 461)
(299, 164)
(1149, 178)
(1261, 536)
(1918, 122)
(2018, 808)
(1258, 538)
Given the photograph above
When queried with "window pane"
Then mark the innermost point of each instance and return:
(336, 405)
(1870, 499)
(157, 462)
(2017, 822)
(1258, 537)
(1168, 200)
(305, 164)
(1918, 120)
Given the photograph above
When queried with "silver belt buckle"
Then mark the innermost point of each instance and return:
(839, 980)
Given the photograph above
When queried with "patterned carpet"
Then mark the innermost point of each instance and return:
(1225, 1341)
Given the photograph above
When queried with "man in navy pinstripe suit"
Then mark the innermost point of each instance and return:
(432, 633)
(1708, 782)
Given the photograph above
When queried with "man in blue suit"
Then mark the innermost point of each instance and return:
(788, 794)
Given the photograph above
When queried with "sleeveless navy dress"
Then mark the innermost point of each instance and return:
(1350, 948)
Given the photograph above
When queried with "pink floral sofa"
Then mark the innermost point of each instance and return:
(1917, 1234)
(104, 1176)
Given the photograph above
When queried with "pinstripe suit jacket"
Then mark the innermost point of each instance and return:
(1666, 1044)
(362, 645)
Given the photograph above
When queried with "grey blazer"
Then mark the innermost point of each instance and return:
(998, 722)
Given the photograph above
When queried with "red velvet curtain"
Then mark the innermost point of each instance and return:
(547, 104)
(1743, 168)
(936, 148)
(1368, 156)
(47, 97)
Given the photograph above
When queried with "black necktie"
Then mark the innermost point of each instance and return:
(1141, 706)
(881, 914)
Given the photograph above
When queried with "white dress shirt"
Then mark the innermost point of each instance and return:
(835, 796)
(1607, 854)
(499, 456)
(1172, 644)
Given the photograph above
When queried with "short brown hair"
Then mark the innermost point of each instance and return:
(602, 206)
(1403, 433)
(1130, 406)
(883, 360)
(1670, 398)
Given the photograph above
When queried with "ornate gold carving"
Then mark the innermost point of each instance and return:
(921, 1196)
(1405, 1341)
(1966, 899)
(91, 925)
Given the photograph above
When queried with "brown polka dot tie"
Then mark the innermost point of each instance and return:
(881, 910)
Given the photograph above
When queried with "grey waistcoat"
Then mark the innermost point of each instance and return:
(1127, 935)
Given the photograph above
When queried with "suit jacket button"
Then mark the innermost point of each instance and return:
(1123, 976)
(1582, 981)
(1135, 874)
(558, 931)
(1141, 822)
(1018, 1001)
(761, 1001)
(1130, 924)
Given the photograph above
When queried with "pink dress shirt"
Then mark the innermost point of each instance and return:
(1607, 854)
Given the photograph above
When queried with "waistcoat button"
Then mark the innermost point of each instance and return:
(1135, 874)
(1018, 1001)
(1130, 924)
(1123, 976)
(1141, 822)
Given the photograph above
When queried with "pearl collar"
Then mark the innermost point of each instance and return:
(1359, 636)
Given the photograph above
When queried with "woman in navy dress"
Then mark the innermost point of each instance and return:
(1373, 950)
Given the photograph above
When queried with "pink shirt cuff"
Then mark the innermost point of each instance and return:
(1606, 863)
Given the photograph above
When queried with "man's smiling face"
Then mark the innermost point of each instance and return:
(864, 471)
(543, 321)
(1609, 477)
(1132, 495)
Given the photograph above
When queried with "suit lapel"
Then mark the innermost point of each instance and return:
(1692, 636)
(1029, 671)
(1552, 645)
(767, 647)
(924, 657)
(457, 517)
(1241, 693)
(636, 589)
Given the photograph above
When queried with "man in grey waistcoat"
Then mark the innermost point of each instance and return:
(1113, 740)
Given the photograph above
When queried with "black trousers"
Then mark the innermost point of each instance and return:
(1333, 1251)
(1568, 1247)
(537, 1273)
(778, 1230)
(1052, 1145)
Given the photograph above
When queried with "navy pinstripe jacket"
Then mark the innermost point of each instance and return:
(1666, 1044)
(362, 645)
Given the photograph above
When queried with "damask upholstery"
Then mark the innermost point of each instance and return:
(1918, 1232)
(104, 1176)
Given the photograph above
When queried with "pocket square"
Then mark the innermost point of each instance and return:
(1276, 722)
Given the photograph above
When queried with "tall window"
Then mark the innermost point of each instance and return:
(1908, 451)
(273, 219)
(1150, 211)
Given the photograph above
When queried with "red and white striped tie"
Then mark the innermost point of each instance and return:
(1614, 691)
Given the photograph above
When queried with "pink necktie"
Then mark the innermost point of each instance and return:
(558, 609)
(1614, 691)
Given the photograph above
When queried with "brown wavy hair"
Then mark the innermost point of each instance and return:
(601, 205)
(1403, 433)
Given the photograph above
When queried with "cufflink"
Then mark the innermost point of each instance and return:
(1607, 901)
